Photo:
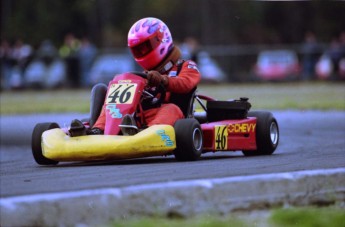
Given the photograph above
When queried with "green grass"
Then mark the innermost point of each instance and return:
(320, 96)
(44, 101)
(179, 222)
(284, 217)
(309, 217)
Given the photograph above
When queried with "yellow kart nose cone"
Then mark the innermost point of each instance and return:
(154, 141)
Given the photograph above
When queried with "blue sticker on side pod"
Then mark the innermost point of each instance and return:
(166, 138)
(114, 112)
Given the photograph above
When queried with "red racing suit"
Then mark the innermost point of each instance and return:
(184, 76)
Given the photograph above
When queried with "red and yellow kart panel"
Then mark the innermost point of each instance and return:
(230, 135)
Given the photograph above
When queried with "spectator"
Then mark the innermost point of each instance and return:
(342, 58)
(190, 49)
(334, 53)
(21, 55)
(87, 54)
(47, 70)
(6, 63)
(69, 52)
(311, 52)
(209, 69)
(331, 63)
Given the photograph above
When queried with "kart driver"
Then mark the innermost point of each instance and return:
(152, 47)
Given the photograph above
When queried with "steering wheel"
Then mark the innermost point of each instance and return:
(140, 74)
(160, 90)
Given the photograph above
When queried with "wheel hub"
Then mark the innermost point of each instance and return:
(274, 134)
(197, 138)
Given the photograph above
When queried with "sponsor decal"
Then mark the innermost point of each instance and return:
(221, 137)
(222, 132)
(192, 66)
(121, 93)
(114, 111)
(165, 138)
(172, 73)
(123, 82)
(241, 128)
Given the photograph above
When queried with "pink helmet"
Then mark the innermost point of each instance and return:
(150, 42)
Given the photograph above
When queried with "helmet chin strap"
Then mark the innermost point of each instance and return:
(169, 61)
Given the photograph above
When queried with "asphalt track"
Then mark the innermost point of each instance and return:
(310, 140)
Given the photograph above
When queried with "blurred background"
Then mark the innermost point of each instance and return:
(77, 43)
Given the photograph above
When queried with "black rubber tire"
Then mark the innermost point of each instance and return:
(36, 143)
(98, 94)
(267, 134)
(189, 140)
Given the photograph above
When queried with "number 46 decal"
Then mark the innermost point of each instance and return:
(121, 93)
(221, 137)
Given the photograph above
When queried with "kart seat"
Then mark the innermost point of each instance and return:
(185, 102)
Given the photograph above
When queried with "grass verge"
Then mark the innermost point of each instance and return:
(320, 96)
(280, 96)
(309, 217)
(287, 217)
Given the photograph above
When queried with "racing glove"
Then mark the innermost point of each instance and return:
(155, 78)
(94, 131)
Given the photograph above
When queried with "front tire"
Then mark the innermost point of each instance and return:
(267, 134)
(36, 143)
(189, 140)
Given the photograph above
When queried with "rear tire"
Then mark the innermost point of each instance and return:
(36, 143)
(189, 140)
(267, 134)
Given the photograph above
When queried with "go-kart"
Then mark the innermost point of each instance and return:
(213, 126)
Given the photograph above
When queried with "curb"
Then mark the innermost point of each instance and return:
(182, 198)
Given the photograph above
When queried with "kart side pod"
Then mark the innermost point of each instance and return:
(153, 141)
(50, 144)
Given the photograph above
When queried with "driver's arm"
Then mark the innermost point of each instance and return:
(187, 79)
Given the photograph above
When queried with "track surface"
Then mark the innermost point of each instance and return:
(309, 140)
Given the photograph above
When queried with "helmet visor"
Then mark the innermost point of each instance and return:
(145, 48)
